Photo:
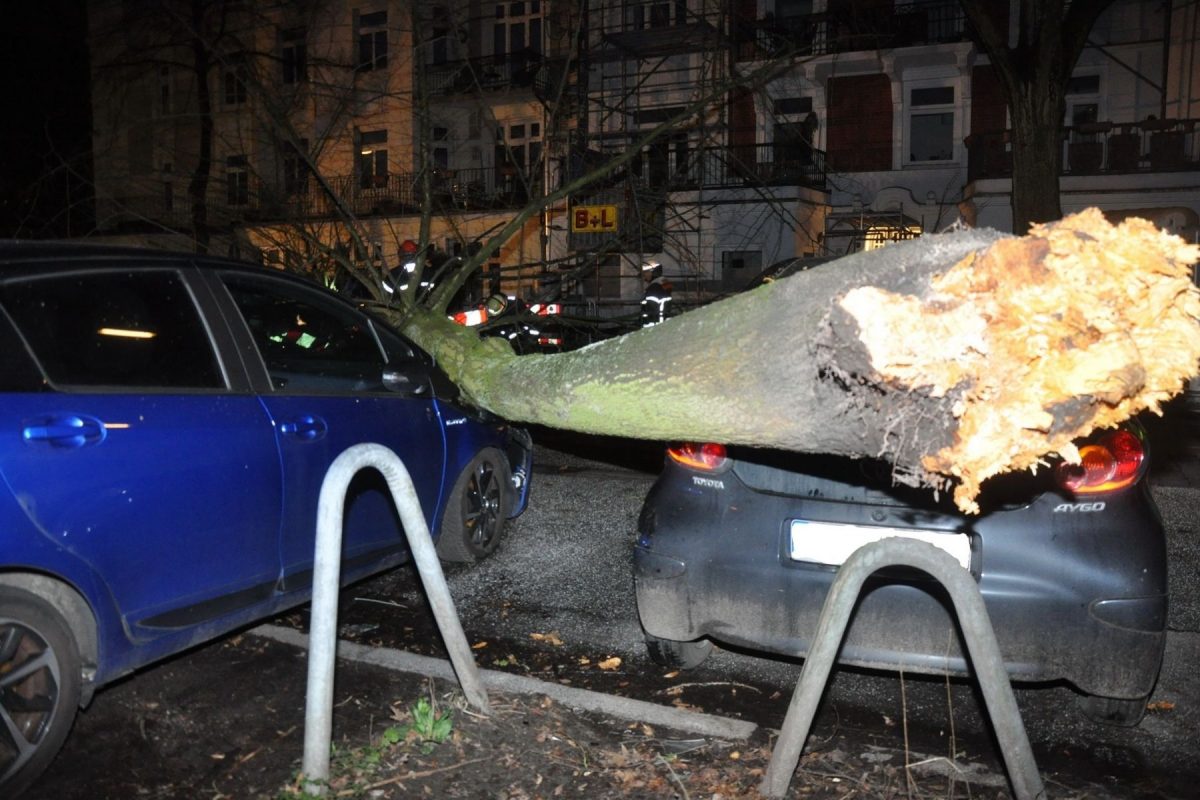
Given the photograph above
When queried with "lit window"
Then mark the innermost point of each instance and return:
(372, 159)
(878, 236)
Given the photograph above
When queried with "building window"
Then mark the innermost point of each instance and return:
(517, 154)
(372, 41)
(237, 180)
(517, 29)
(794, 136)
(1083, 100)
(793, 147)
(790, 11)
(738, 267)
(372, 159)
(441, 152)
(655, 116)
(235, 82)
(607, 281)
(655, 14)
(931, 124)
(877, 236)
(295, 169)
(294, 56)
(792, 105)
(1083, 84)
(164, 90)
(439, 36)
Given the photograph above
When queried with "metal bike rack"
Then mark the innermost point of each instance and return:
(322, 642)
(981, 644)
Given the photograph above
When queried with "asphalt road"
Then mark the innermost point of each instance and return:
(565, 570)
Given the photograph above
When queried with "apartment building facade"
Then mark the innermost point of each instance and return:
(713, 137)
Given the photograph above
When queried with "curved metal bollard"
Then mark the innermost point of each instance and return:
(981, 644)
(322, 640)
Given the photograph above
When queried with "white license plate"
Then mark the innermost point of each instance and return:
(833, 542)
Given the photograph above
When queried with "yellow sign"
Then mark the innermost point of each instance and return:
(594, 219)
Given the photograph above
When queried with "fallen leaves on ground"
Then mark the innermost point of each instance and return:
(548, 638)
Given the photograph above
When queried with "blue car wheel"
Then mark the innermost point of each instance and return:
(477, 509)
(39, 686)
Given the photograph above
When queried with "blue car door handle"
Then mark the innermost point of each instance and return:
(307, 428)
(66, 430)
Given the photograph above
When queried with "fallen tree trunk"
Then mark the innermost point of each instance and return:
(954, 356)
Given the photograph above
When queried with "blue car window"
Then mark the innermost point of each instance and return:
(18, 373)
(309, 343)
(120, 329)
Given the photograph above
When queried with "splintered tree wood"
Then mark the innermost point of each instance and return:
(954, 356)
(1039, 340)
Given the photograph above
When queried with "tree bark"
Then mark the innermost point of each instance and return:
(1033, 75)
(198, 185)
(1037, 163)
(955, 356)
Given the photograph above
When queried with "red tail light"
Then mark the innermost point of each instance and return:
(1113, 461)
(706, 457)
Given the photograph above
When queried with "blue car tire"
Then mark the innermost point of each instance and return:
(477, 509)
(39, 686)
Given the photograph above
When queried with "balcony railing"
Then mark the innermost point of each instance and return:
(730, 166)
(478, 189)
(1167, 145)
(490, 73)
(468, 189)
(847, 30)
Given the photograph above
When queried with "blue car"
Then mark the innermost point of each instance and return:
(170, 419)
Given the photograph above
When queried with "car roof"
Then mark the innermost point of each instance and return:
(26, 252)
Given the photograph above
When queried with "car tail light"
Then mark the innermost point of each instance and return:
(1112, 461)
(706, 457)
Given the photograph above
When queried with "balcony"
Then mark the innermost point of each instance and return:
(658, 29)
(479, 189)
(1095, 148)
(453, 190)
(848, 30)
(729, 166)
(485, 73)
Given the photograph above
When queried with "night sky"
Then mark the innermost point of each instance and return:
(46, 122)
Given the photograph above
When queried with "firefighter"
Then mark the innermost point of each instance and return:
(657, 295)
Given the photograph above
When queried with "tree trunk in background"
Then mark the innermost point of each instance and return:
(198, 185)
(964, 354)
(1033, 68)
(1037, 133)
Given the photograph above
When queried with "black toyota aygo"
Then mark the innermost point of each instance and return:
(741, 546)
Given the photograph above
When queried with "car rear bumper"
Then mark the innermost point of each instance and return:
(1094, 616)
